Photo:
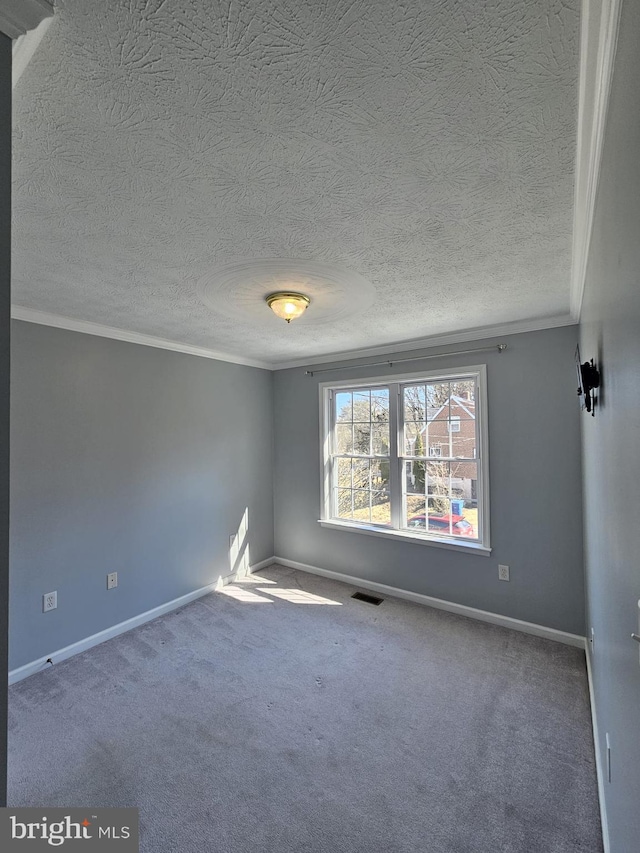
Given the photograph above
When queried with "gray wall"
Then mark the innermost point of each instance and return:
(610, 333)
(130, 459)
(536, 519)
(5, 315)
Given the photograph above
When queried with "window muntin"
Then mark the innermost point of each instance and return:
(405, 455)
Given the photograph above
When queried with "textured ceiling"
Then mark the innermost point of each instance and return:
(425, 146)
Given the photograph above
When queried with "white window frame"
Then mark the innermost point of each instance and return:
(395, 382)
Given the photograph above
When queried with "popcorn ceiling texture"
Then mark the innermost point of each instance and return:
(428, 147)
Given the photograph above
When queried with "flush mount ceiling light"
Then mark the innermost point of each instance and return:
(288, 305)
(240, 291)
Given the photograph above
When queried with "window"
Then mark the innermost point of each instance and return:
(406, 457)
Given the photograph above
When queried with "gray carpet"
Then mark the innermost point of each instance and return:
(283, 724)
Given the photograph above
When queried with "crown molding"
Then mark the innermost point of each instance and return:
(598, 40)
(19, 16)
(30, 315)
(477, 334)
(24, 47)
(85, 327)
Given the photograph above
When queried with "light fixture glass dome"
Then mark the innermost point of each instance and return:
(288, 305)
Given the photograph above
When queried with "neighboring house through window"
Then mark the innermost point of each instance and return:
(406, 457)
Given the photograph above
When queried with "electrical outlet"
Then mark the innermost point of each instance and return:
(592, 640)
(608, 757)
(112, 580)
(49, 601)
(503, 573)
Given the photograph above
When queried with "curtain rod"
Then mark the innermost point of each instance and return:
(498, 347)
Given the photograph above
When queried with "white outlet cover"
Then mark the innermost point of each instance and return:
(49, 601)
(503, 573)
(112, 580)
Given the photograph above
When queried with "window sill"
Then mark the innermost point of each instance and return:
(406, 536)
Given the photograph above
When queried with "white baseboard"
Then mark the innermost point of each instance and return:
(102, 636)
(439, 603)
(95, 639)
(450, 606)
(262, 565)
(241, 573)
(596, 745)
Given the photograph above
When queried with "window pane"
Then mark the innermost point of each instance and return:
(414, 477)
(437, 479)
(344, 508)
(464, 479)
(344, 406)
(438, 516)
(463, 443)
(343, 473)
(437, 439)
(438, 400)
(380, 405)
(361, 504)
(362, 438)
(414, 438)
(362, 406)
(464, 392)
(380, 508)
(414, 402)
(380, 439)
(360, 472)
(438, 506)
(379, 470)
(416, 513)
(344, 438)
